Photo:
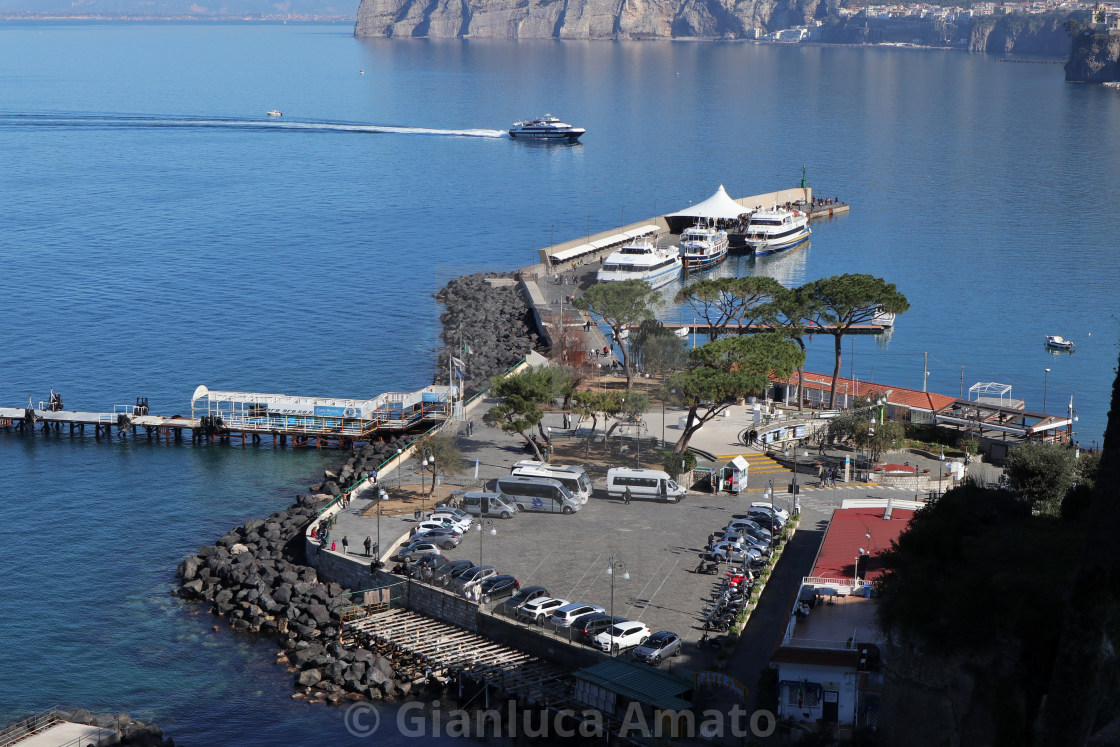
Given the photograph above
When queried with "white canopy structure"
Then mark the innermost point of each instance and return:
(718, 206)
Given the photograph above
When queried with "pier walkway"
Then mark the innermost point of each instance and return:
(249, 416)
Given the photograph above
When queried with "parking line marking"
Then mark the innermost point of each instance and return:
(594, 563)
(658, 589)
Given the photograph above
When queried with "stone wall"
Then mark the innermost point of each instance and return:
(532, 641)
(442, 605)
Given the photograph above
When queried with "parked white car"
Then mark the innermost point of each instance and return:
(621, 636)
(564, 616)
(539, 609)
(443, 522)
(458, 518)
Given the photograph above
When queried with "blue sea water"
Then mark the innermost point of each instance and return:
(159, 232)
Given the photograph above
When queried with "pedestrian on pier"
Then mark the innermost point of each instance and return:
(369, 545)
(821, 477)
(345, 545)
(470, 427)
(334, 547)
(373, 476)
(314, 533)
(626, 496)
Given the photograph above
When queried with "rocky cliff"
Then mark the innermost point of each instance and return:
(1042, 34)
(1094, 58)
(582, 19)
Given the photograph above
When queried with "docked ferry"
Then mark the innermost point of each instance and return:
(703, 246)
(776, 230)
(547, 127)
(642, 260)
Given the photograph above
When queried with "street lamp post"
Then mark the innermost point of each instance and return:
(1045, 378)
(612, 564)
(399, 452)
(940, 470)
(482, 534)
(382, 495)
(548, 437)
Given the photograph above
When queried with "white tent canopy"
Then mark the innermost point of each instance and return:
(718, 206)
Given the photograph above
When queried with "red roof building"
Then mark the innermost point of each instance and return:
(849, 392)
(852, 530)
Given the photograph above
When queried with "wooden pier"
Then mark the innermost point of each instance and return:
(227, 417)
(855, 329)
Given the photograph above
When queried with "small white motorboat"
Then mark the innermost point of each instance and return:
(274, 113)
(1058, 342)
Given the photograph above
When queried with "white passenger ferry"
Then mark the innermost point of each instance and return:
(547, 127)
(703, 246)
(642, 260)
(776, 229)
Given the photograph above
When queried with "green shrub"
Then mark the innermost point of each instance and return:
(671, 462)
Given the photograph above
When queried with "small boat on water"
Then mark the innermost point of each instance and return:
(642, 260)
(1057, 342)
(776, 230)
(274, 113)
(703, 246)
(547, 127)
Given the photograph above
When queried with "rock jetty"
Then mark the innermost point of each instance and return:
(256, 576)
(489, 310)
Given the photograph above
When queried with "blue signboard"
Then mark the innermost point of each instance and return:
(329, 412)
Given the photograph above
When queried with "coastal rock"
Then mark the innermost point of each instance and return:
(320, 614)
(1094, 58)
(309, 677)
(188, 569)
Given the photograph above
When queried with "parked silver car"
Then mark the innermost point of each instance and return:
(660, 645)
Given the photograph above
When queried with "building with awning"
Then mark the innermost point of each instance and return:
(719, 206)
(611, 686)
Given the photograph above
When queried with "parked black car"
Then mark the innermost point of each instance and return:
(588, 627)
(498, 587)
(528, 594)
(444, 573)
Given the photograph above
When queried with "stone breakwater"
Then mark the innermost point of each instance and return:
(128, 731)
(257, 577)
(495, 321)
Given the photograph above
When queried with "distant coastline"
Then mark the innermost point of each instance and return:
(268, 18)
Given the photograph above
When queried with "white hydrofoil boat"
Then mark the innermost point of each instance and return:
(642, 260)
(776, 230)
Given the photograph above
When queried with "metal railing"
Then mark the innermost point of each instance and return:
(25, 727)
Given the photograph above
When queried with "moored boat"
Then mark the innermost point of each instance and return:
(274, 113)
(1057, 342)
(703, 246)
(642, 260)
(547, 127)
(776, 230)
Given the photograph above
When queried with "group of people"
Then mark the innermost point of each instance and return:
(828, 476)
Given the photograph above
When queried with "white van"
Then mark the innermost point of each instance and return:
(573, 478)
(480, 503)
(643, 483)
(538, 494)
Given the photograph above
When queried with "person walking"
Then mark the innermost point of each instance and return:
(369, 545)
(626, 496)
(345, 545)
(821, 479)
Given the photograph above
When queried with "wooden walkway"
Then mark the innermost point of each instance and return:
(855, 329)
(448, 647)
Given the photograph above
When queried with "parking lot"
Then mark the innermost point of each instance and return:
(657, 544)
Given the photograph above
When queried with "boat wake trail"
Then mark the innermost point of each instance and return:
(117, 121)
